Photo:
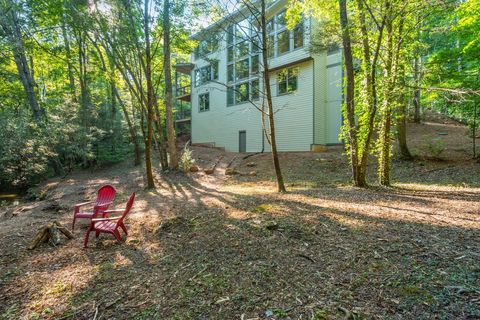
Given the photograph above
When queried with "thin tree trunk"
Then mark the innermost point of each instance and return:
(150, 100)
(386, 125)
(172, 148)
(161, 146)
(416, 91)
(68, 53)
(350, 96)
(11, 27)
(85, 101)
(271, 122)
(402, 121)
(131, 128)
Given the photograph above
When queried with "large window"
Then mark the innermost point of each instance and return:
(242, 63)
(287, 81)
(281, 40)
(204, 102)
(207, 46)
(243, 91)
(207, 73)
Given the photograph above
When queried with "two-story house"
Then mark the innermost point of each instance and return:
(226, 88)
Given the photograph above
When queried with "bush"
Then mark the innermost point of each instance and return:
(435, 147)
(186, 159)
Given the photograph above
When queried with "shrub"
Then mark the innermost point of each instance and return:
(435, 147)
(186, 159)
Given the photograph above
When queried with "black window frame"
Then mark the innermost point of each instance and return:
(205, 108)
(288, 78)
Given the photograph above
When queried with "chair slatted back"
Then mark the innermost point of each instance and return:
(128, 207)
(105, 197)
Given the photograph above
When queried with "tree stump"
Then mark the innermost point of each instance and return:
(51, 234)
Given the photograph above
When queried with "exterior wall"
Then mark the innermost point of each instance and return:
(294, 112)
(328, 98)
(311, 115)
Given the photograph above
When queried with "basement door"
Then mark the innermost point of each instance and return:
(242, 141)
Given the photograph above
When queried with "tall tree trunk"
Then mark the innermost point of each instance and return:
(150, 100)
(161, 146)
(11, 27)
(131, 128)
(370, 74)
(386, 124)
(172, 148)
(85, 100)
(68, 53)
(416, 91)
(402, 121)
(358, 179)
(268, 92)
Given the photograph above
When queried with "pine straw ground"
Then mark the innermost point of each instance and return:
(219, 247)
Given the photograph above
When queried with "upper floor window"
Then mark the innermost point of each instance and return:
(204, 102)
(207, 46)
(207, 73)
(287, 80)
(243, 92)
(280, 39)
(242, 62)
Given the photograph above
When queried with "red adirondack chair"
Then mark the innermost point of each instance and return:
(105, 196)
(110, 224)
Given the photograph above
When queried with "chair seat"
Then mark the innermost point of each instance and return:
(84, 214)
(105, 225)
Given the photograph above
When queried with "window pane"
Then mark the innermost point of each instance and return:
(283, 42)
(213, 45)
(298, 36)
(230, 54)
(207, 102)
(203, 48)
(230, 72)
(282, 75)
(230, 34)
(254, 65)
(282, 87)
(292, 79)
(269, 26)
(255, 89)
(215, 70)
(242, 49)
(270, 46)
(282, 81)
(241, 69)
(204, 102)
(281, 21)
(241, 94)
(256, 45)
(230, 96)
(197, 77)
(292, 85)
(205, 75)
(242, 30)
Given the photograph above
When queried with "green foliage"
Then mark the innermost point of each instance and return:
(452, 46)
(435, 147)
(186, 159)
(24, 152)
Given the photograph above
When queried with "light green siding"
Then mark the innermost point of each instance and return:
(328, 98)
(310, 115)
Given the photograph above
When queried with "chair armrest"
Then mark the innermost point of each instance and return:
(114, 210)
(82, 204)
(105, 219)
